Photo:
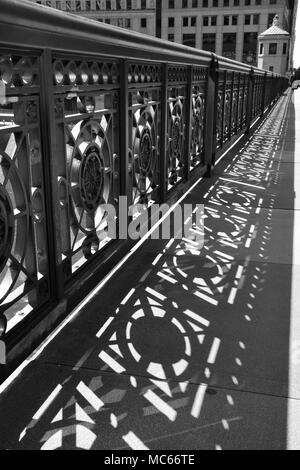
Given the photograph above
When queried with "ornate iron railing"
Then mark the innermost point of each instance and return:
(89, 112)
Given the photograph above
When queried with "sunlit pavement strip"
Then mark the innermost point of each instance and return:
(161, 395)
(294, 373)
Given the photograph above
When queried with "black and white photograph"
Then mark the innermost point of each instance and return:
(149, 227)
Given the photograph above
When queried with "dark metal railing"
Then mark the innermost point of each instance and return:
(88, 113)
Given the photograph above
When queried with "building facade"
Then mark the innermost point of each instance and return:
(227, 27)
(137, 15)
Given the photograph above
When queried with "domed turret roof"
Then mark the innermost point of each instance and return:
(275, 29)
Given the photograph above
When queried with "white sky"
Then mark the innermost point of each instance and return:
(297, 42)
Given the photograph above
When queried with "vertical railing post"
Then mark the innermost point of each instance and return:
(263, 98)
(163, 134)
(50, 166)
(210, 117)
(249, 109)
(188, 133)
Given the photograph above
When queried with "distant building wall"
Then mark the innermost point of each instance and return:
(227, 27)
(137, 15)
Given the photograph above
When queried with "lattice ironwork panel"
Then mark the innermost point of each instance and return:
(198, 117)
(245, 99)
(258, 90)
(176, 123)
(176, 134)
(144, 73)
(68, 73)
(234, 106)
(144, 153)
(18, 72)
(177, 74)
(268, 91)
(24, 279)
(241, 110)
(220, 109)
(88, 171)
(227, 107)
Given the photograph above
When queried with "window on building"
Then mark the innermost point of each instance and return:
(171, 4)
(226, 3)
(143, 22)
(193, 21)
(171, 37)
(273, 2)
(185, 21)
(171, 22)
(195, 4)
(255, 19)
(205, 3)
(205, 20)
(271, 68)
(213, 21)
(247, 2)
(261, 49)
(209, 42)
(250, 48)
(226, 20)
(234, 20)
(215, 3)
(284, 49)
(229, 45)
(273, 48)
(257, 2)
(189, 40)
(236, 3)
(184, 3)
(247, 19)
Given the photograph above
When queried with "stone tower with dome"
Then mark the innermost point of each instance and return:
(273, 48)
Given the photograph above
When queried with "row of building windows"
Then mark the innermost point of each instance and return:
(123, 22)
(191, 21)
(98, 5)
(229, 44)
(89, 5)
(216, 3)
(273, 48)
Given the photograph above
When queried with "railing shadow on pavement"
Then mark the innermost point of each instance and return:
(192, 351)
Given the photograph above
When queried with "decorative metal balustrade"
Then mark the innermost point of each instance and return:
(88, 113)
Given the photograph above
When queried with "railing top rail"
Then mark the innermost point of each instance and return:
(24, 23)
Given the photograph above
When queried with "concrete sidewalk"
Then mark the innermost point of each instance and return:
(187, 349)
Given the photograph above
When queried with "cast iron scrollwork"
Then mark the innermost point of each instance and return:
(197, 124)
(176, 138)
(90, 173)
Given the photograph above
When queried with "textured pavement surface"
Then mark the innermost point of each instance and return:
(187, 347)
